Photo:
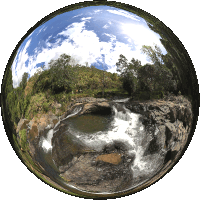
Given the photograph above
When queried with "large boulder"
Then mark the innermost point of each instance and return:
(96, 108)
(66, 146)
(22, 124)
(113, 158)
(92, 171)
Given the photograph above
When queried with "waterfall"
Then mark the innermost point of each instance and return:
(128, 129)
(125, 127)
(45, 142)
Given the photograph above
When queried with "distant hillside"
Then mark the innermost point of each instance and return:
(58, 85)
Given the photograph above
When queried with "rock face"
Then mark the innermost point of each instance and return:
(99, 172)
(169, 122)
(66, 146)
(113, 158)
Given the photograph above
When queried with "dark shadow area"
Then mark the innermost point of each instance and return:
(170, 156)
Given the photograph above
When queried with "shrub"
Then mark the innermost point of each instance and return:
(45, 106)
(144, 95)
(23, 139)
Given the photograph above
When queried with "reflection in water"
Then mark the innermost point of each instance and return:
(89, 123)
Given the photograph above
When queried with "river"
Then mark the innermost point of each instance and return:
(96, 131)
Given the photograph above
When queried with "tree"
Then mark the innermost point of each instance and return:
(62, 74)
(24, 80)
(128, 73)
(154, 54)
(103, 81)
(163, 72)
(147, 77)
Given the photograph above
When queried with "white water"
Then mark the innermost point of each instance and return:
(121, 100)
(125, 127)
(45, 142)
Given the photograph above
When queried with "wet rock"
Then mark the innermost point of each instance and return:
(101, 176)
(23, 124)
(172, 114)
(169, 133)
(96, 108)
(113, 158)
(66, 146)
(115, 147)
(153, 147)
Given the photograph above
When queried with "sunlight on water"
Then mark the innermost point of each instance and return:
(124, 127)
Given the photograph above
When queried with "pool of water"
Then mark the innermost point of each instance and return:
(89, 123)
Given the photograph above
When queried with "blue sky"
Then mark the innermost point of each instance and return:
(96, 34)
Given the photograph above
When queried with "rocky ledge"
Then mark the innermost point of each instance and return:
(168, 121)
(38, 126)
(105, 171)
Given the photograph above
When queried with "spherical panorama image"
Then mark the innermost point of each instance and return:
(99, 99)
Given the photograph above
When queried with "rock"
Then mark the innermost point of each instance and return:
(23, 124)
(115, 147)
(33, 132)
(170, 133)
(99, 177)
(172, 114)
(113, 158)
(104, 104)
(57, 105)
(66, 146)
(96, 108)
(181, 112)
(161, 137)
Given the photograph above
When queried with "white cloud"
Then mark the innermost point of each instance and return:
(105, 26)
(123, 13)
(141, 35)
(97, 11)
(85, 18)
(18, 67)
(78, 15)
(42, 29)
(85, 46)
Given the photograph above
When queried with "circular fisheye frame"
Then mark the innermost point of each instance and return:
(100, 100)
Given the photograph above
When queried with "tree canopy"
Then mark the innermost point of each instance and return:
(160, 75)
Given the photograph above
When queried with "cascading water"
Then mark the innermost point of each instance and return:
(45, 142)
(123, 126)
(128, 129)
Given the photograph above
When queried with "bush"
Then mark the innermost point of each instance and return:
(144, 95)
(157, 95)
(45, 106)
(23, 139)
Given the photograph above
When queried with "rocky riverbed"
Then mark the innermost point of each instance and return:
(112, 168)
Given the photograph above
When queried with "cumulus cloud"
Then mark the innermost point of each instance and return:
(77, 15)
(18, 67)
(123, 13)
(85, 46)
(105, 26)
(97, 11)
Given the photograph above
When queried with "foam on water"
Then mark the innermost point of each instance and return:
(45, 142)
(126, 128)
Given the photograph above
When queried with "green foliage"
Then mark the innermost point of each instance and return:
(128, 73)
(144, 95)
(157, 95)
(24, 80)
(38, 103)
(154, 54)
(62, 81)
(23, 139)
(62, 74)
